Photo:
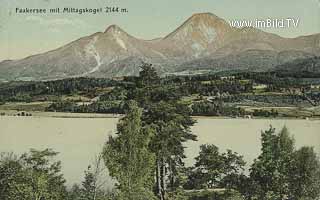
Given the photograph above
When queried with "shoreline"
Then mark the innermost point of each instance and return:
(13, 113)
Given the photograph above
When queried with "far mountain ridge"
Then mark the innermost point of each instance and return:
(203, 39)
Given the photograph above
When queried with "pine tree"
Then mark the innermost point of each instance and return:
(169, 117)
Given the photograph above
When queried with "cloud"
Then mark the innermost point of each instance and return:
(56, 23)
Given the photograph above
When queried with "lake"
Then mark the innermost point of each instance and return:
(79, 140)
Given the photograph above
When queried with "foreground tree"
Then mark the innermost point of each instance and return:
(214, 169)
(88, 191)
(75, 193)
(169, 118)
(95, 180)
(33, 176)
(272, 168)
(305, 174)
(128, 158)
(281, 172)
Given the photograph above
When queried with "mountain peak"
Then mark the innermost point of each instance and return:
(205, 18)
(204, 15)
(203, 41)
(113, 28)
(203, 27)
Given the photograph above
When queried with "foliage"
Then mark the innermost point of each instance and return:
(105, 96)
(214, 169)
(128, 158)
(88, 186)
(147, 154)
(91, 186)
(206, 108)
(213, 195)
(265, 113)
(32, 176)
(94, 107)
(282, 172)
(75, 193)
(170, 120)
(304, 179)
(23, 91)
(116, 94)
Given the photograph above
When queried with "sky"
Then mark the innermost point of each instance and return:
(22, 35)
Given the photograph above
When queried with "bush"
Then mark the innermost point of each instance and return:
(214, 195)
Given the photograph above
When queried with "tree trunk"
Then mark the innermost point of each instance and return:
(163, 178)
(158, 174)
(172, 174)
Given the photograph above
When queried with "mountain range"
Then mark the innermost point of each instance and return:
(203, 42)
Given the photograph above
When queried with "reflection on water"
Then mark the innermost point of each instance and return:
(79, 139)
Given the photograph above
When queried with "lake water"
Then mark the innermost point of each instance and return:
(79, 139)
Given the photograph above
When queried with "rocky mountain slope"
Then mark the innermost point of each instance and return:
(204, 41)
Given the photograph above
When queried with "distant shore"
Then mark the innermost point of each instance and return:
(110, 115)
(60, 114)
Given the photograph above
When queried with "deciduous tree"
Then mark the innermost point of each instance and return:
(128, 158)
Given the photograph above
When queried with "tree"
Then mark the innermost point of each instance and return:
(11, 177)
(75, 193)
(128, 158)
(215, 169)
(281, 172)
(92, 185)
(271, 171)
(305, 174)
(88, 185)
(95, 180)
(33, 176)
(169, 118)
